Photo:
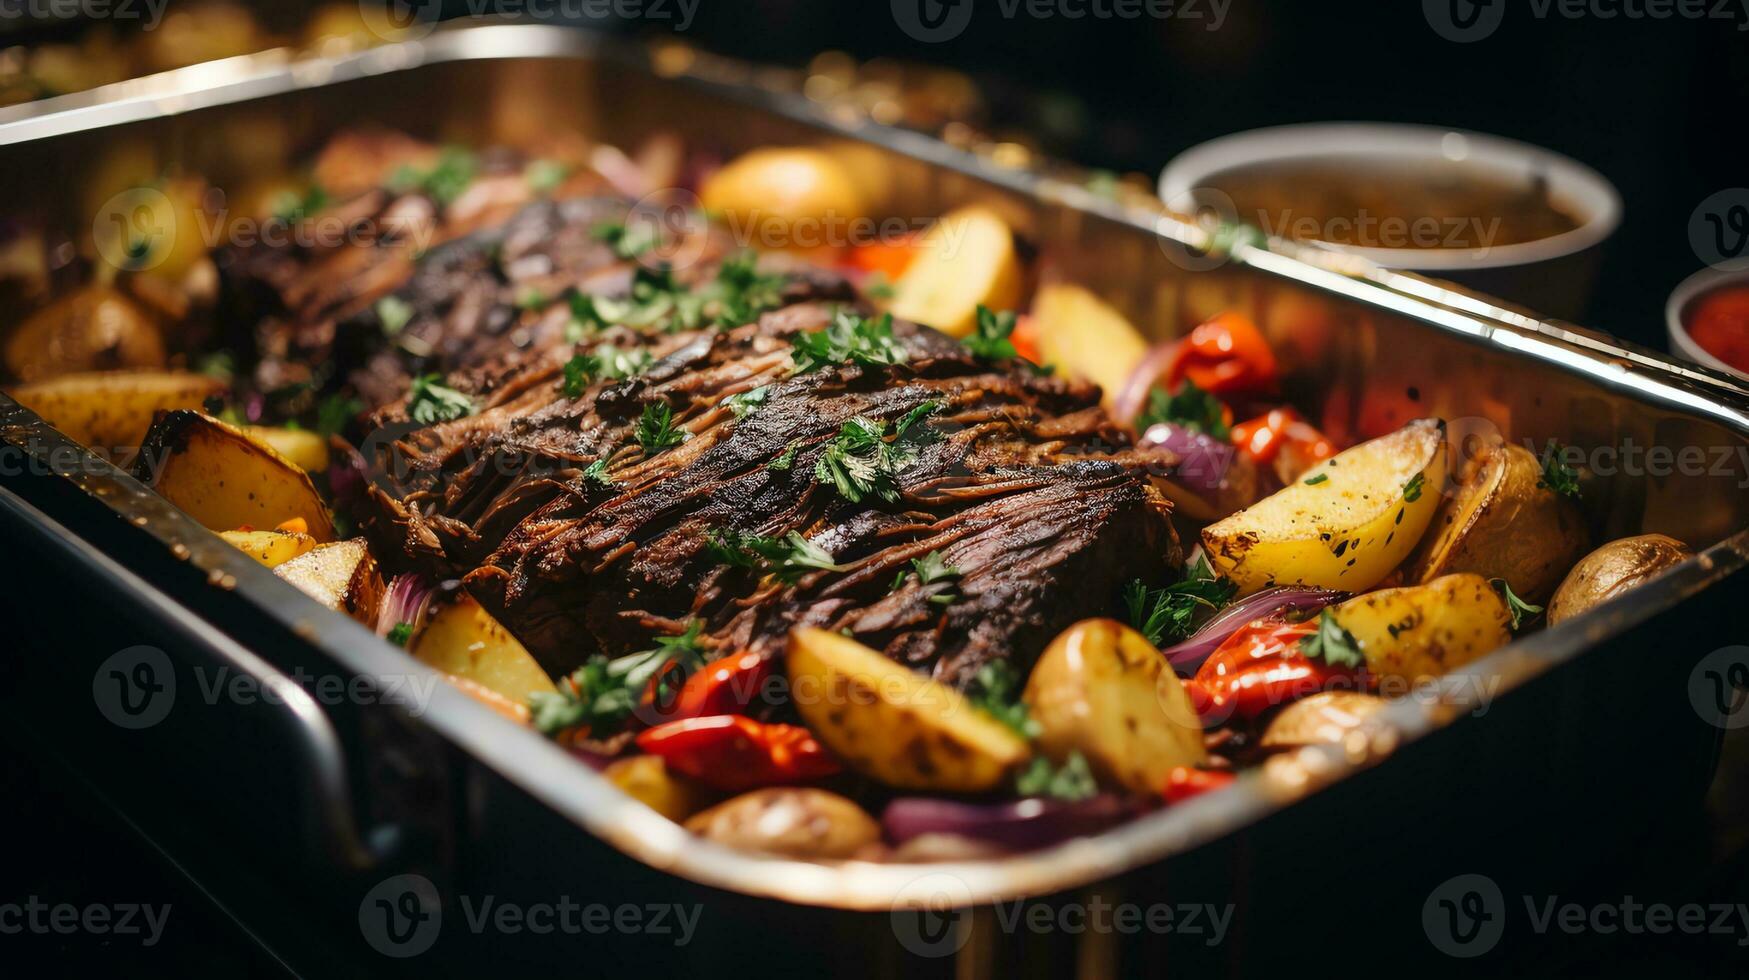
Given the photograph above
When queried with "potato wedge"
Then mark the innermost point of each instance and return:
(464, 640)
(305, 449)
(341, 576)
(798, 823)
(965, 260)
(97, 328)
(270, 548)
(514, 710)
(111, 410)
(889, 722)
(1101, 689)
(1345, 524)
(1500, 524)
(1420, 632)
(795, 199)
(1085, 338)
(224, 479)
(1613, 569)
(1324, 718)
(646, 778)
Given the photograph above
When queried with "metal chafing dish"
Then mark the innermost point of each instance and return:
(289, 809)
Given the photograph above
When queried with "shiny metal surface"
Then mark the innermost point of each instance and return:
(1362, 348)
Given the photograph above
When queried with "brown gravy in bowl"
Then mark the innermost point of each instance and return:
(1371, 204)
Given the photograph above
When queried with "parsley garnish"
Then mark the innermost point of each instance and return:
(929, 569)
(627, 241)
(530, 298)
(788, 557)
(1312, 481)
(1071, 781)
(849, 339)
(1332, 644)
(744, 404)
(443, 181)
(996, 691)
(787, 458)
(1171, 611)
(990, 340)
(394, 313)
(290, 206)
(1412, 489)
(1519, 609)
(579, 372)
(657, 431)
(430, 401)
(596, 473)
(601, 694)
(545, 176)
(1557, 475)
(400, 634)
(742, 293)
(878, 286)
(1188, 408)
(335, 412)
(585, 319)
(863, 460)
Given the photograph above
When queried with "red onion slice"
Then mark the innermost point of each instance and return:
(404, 601)
(1017, 825)
(1186, 657)
(1127, 402)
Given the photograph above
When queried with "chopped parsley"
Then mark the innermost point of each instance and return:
(747, 402)
(394, 313)
(443, 181)
(788, 557)
(929, 569)
(1412, 489)
(596, 473)
(1520, 610)
(430, 401)
(878, 286)
(290, 206)
(530, 298)
(545, 176)
(579, 372)
(1312, 481)
(849, 339)
(601, 694)
(335, 412)
(1332, 644)
(786, 459)
(996, 691)
(656, 429)
(400, 634)
(990, 339)
(1171, 612)
(1557, 475)
(1189, 407)
(627, 241)
(1071, 781)
(865, 460)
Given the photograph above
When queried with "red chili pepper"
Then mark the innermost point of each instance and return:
(1258, 668)
(1281, 434)
(1025, 337)
(734, 753)
(1226, 356)
(723, 687)
(890, 259)
(1184, 782)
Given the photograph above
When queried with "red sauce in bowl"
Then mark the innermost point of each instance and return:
(1719, 323)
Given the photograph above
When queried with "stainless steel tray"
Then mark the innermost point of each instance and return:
(448, 790)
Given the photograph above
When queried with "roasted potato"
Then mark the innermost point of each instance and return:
(305, 449)
(964, 260)
(270, 548)
(1613, 569)
(1500, 524)
(112, 410)
(1101, 689)
(646, 778)
(224, 479)
(514, 710)
(1083, 337)
(798, 823)
(1418, 632)
(97, 328)
(464, 640)
(1345, 524)
(789, 199)
(889, 722)
(1322, 719)
(341, 576)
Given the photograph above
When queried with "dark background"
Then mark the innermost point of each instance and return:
(1657, 106)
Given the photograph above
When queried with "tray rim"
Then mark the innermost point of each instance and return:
(548, 773)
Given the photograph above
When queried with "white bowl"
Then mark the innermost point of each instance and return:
(1692, 288)
(1550, 274)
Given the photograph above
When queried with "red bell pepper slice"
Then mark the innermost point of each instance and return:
(1258, 668)
(1226, 355)
(722, 687)
(734, 753)
(1185, 782)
